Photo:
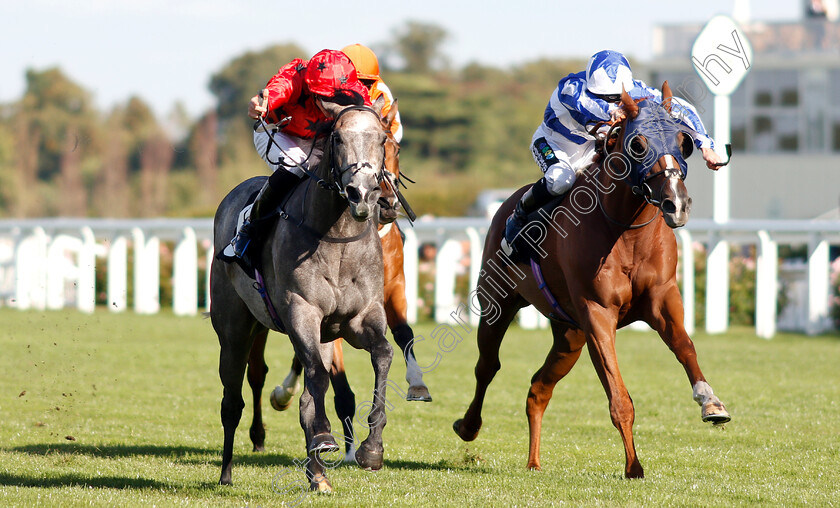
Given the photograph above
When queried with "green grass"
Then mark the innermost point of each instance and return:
(139, 396)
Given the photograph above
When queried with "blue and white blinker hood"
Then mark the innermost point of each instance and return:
(661, 131)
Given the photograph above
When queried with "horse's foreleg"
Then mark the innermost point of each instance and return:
(371, 451)
(601, 325)
(396, 308)
(282, 395)
(667, 319)
(368, 330)
(564, 353)
(313, 418)
(257, 370)
(491, 331)
(345, 400)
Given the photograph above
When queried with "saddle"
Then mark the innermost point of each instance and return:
(250, 259)
(525, 252)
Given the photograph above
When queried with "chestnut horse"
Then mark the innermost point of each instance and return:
(608, 260)
(395, 310)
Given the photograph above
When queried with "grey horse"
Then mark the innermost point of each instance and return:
(324, 276)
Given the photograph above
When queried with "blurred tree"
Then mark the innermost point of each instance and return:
(56, 107)
(112, 196)
(8, 170)
(27, 135)
(73, 202)
(205, 150)
(419, 46)
(155, 163)
(139, 124)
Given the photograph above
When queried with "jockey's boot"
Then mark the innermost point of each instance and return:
(278, 185)
(535, 197)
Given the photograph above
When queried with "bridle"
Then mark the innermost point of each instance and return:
(641, 189)
(336, 173)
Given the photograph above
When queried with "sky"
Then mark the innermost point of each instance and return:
(165, 51)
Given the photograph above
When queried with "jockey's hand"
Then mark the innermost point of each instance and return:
(711, 157)
(257, 107)
(617, 115)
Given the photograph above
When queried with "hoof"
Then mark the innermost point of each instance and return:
(418, 393)
(634, 475)
(463, 433)
(321, 485)
(323, 443)
(281, 397)
(715, 412)
(370, 460)
(259, 448)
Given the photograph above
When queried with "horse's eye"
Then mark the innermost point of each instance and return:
(637, 148)
(686, 144)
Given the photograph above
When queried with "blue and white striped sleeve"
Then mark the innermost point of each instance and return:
(685, 113)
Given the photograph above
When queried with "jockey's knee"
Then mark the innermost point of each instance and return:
(559, 178)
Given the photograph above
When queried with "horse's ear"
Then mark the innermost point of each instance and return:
(629, 104)
(667, 96)
(332, 109)
(388, 120)
(378, 104)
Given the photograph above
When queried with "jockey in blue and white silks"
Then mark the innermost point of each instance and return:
(562, 145)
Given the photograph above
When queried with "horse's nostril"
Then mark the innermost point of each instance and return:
(669, 206)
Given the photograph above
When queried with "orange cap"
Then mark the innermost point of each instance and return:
(367, 65)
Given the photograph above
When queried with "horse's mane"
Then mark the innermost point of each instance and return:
(346, 98)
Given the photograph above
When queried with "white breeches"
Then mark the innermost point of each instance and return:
(294, 149)
(567, 161)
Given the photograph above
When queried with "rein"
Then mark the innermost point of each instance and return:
(336, 174)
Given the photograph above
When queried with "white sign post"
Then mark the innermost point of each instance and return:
(722, 56)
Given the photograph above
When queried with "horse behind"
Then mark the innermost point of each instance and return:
(608, 259)
(323, 275)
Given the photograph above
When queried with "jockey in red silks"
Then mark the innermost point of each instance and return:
(292, 105)
(562, 145)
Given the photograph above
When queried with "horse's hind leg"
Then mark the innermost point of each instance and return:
(667, 320)
(257, 370)
(345, 400)
(282, 395)
(490, 333)
(561, 358)
(601, 341)
(235, 345)
(395, 311)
